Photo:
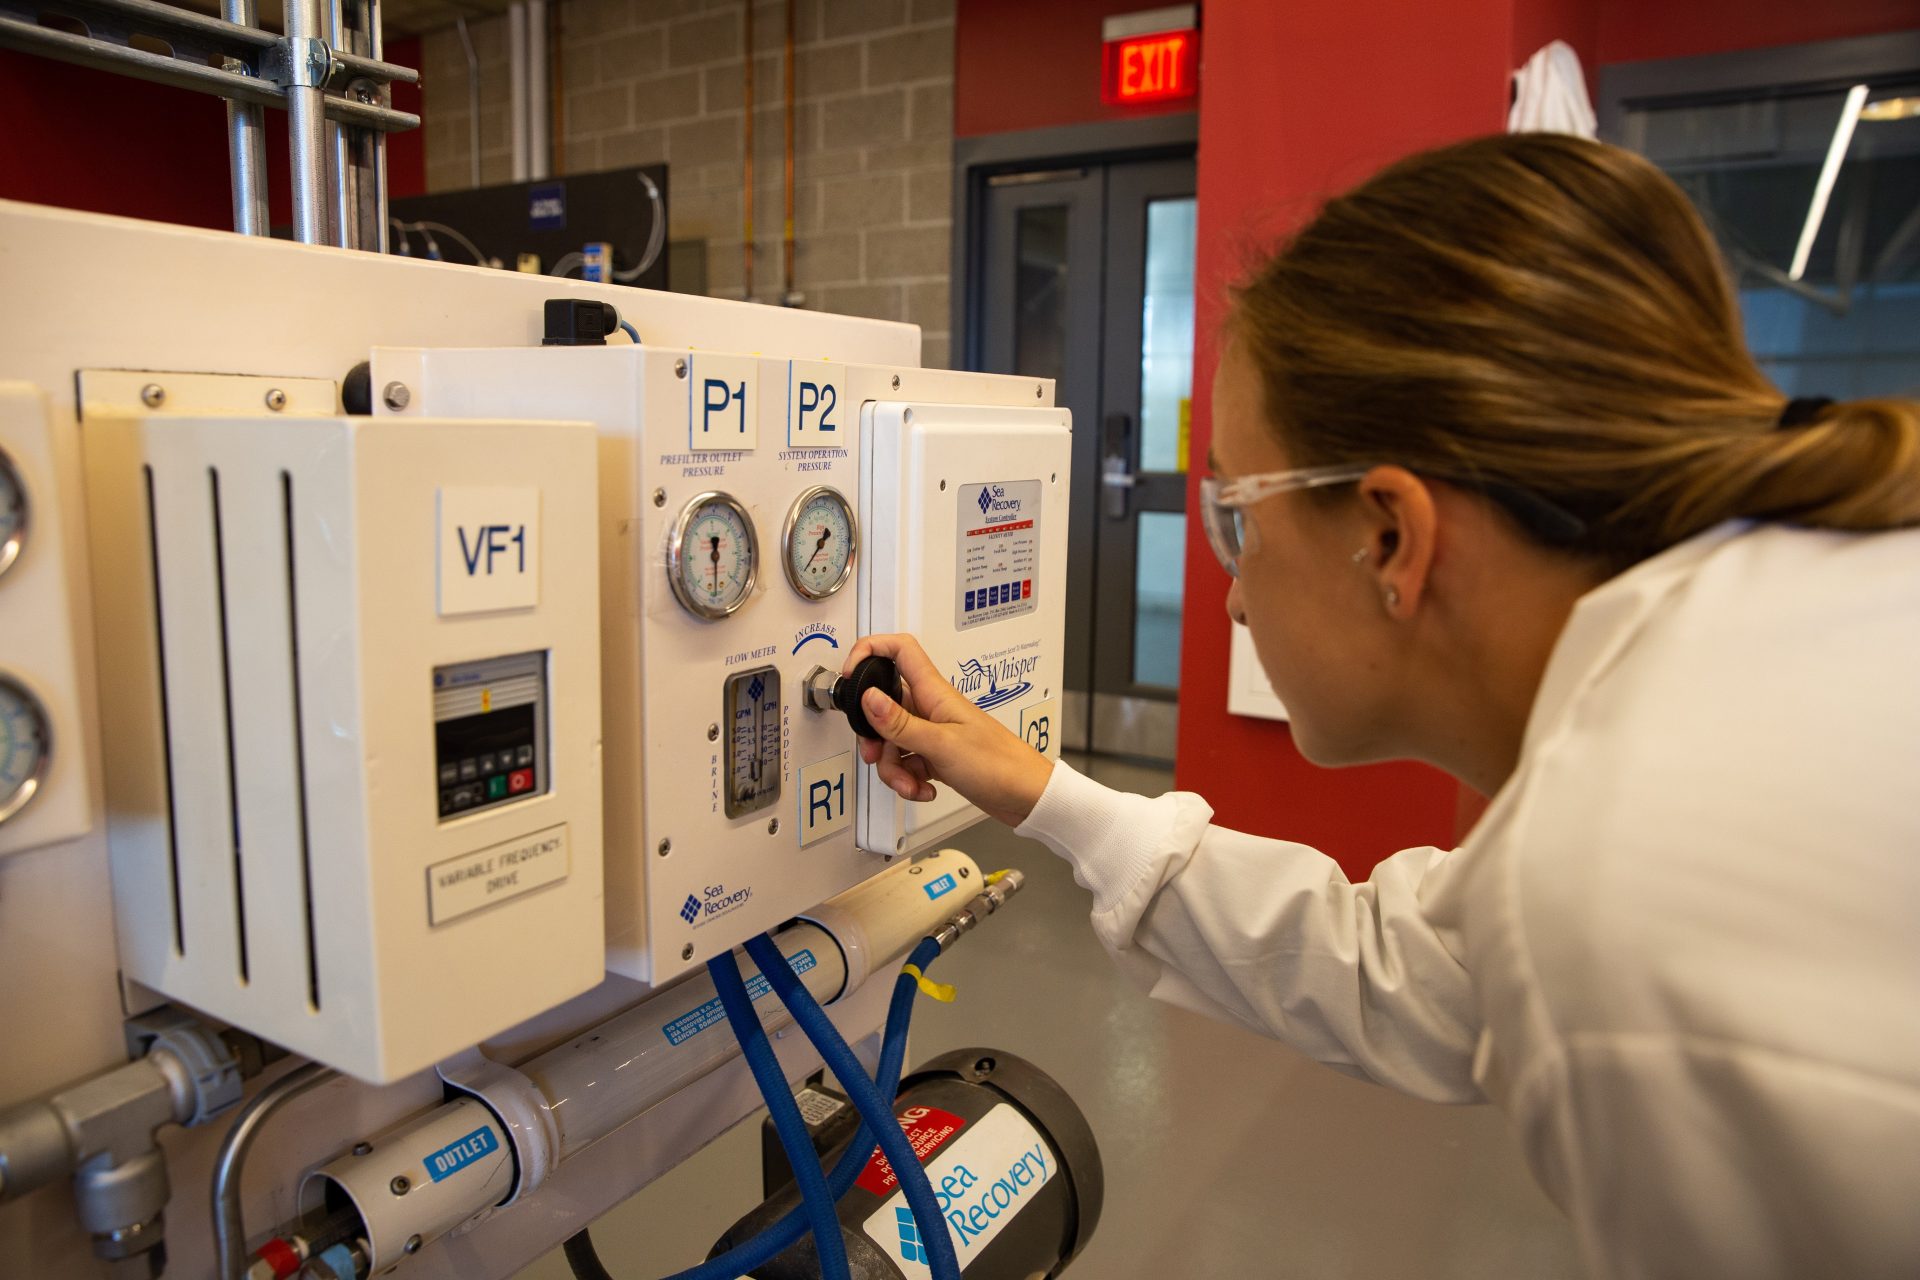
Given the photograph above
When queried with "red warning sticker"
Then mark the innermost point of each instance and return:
(927, 1129)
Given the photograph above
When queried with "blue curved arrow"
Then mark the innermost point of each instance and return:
(818, 635)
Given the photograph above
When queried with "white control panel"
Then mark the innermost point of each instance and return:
(975, 566)
(737, 531)
(350, 695)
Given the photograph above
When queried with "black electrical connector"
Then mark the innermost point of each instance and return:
(579, 322)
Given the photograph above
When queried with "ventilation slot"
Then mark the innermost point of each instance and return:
(226, 696)
(299, 746)
(166, 725)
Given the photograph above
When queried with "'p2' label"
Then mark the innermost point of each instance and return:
(817, 416)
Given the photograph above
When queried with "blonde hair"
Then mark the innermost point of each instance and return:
(1540, 315)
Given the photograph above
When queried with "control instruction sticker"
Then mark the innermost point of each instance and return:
(981, 1180)
(999, 552)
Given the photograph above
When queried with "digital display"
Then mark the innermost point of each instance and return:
(1151, 68)
(489, 733)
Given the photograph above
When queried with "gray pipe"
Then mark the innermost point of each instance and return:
(306, 120)
(246, 141)
(229, 1231)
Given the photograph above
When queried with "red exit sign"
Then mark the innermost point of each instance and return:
(1156, 67)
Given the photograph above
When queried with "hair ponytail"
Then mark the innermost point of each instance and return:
(1544, 315)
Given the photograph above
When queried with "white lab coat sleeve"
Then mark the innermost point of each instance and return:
(1270, 934)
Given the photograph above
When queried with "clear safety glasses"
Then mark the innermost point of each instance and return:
(1223, 503)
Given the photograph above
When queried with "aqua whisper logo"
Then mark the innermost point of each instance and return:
(994, 683)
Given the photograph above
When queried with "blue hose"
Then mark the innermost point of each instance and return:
(749, 1255)
(822, 1216)
(875, 1109)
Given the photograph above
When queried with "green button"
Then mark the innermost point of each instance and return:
(497, 786)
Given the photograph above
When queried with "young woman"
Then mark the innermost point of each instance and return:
(1503, 491)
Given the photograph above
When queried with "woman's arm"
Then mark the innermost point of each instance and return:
(1270, 934)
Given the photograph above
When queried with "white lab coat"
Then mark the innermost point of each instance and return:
(1681, 951)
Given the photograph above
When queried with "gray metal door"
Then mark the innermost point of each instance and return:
(1085, 275)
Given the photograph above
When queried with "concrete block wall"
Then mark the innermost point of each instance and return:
(663, 80)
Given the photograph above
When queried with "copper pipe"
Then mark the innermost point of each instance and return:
(747, 241)
(786, 295)
(557, 114)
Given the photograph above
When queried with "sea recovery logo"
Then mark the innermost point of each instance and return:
(996, 505)
(712, 902)
(910, 1247)
(994, 682)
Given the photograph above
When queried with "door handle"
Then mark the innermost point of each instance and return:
(1117, 478)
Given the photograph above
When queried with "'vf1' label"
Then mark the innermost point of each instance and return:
(489, 554)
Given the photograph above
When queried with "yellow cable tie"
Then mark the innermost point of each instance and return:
(995, 877)
(938, 990)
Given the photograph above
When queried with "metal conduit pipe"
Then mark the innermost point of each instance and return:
(346, 212)
(246, 139)
(517, 86)
(473, 100)
(553, 1106)
(229, 1231)
(310, 60)
(539, 126)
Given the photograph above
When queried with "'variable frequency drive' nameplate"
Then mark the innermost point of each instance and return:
(463, 885)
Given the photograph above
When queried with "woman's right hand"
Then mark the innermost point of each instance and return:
(940, 736)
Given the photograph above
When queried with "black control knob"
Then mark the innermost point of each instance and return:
(826, 690)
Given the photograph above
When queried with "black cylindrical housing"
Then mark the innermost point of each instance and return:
(1012, 1162)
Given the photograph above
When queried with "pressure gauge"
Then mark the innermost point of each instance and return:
(26, 745)
(713, 555)
(821, 538)
(13, 512)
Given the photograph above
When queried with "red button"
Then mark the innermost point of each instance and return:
(1026, 589)
(519, 780)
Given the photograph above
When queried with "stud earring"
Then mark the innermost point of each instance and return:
(1360, 556)
(1393, 597)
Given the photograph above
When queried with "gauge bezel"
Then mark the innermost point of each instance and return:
(10, 549)
(30, 787)
(786, 541)
(676, 555)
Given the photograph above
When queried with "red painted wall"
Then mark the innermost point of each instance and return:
(84, 139)
(1305, 99)
(1033, 64)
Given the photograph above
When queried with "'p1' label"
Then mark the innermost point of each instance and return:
(489, 554)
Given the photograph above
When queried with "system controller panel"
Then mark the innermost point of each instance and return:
(734, 539)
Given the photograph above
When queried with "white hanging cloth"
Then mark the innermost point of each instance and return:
(1550, 94)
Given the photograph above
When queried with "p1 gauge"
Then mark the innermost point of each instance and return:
(712, 556)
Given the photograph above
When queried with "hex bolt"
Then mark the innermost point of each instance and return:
(686, 952)
(413, 1243)
(666, 847)
(276, 399)
(679, 368)
(400, 1184)
(397, 396)
(659, 497)
(773, 827)
(153, 395)
(713, 733)
(363, 1148)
